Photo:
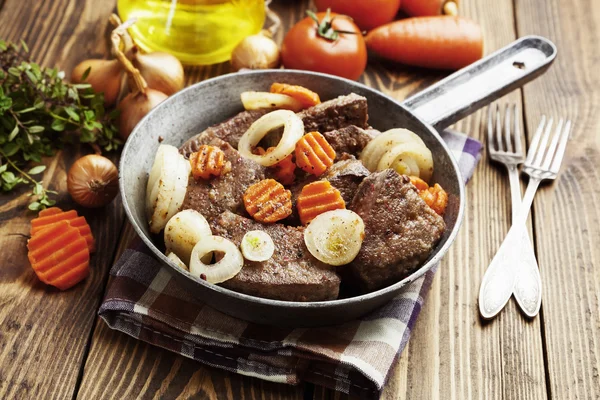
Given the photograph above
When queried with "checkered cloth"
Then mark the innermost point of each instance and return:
(143, 301)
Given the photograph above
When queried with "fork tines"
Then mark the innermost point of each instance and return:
(509, 141)
(546, 157)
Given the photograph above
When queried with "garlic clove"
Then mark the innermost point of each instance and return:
(256, 52)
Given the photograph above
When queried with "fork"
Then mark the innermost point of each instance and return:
(542, 162)
(508, 150)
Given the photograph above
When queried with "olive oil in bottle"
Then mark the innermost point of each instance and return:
(197, 32)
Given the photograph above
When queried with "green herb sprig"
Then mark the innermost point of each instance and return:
(39, 113)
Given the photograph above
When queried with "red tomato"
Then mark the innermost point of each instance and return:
(320, 48)
(367, 14)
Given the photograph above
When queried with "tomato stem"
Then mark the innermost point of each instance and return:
(325, 27)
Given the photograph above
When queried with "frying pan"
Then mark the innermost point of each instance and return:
(209, 102)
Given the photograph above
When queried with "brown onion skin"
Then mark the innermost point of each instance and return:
(162, 71)
(93, 181)
(134, 107)
(105, 77)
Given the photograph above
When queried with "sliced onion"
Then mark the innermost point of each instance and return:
(293, 130)
(375, 149)
(335, 237)
(257, 246)
(181, 183)
(407, 166)
(169, 183)
(177, 261)
(183, 231)
(261, 100)
(224, 269)
(409, 153)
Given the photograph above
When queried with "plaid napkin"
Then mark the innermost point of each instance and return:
(143, 301)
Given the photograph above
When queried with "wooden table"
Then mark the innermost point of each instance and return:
(52, 344)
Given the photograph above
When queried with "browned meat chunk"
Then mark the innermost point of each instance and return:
(230, 131)
(351, 140)
(335, 114)
(212, 197)
(292, 274)
(400, 229)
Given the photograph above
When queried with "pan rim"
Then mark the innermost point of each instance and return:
(296, 304)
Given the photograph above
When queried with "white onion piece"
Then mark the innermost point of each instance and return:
(335, 237)
(181, 183)
(293, 130)
(409, 152)
(261, 100)
(257, 246)
(407, 166)
(159, 201)
(183, 231)
(157, 166)
(224, 269)
(375, 149)
(177, 261)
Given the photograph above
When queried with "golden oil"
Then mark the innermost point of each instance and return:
(197, 32)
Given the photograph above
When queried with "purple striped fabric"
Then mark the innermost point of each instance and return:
(355, 358)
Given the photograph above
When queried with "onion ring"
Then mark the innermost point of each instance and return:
(293, 130)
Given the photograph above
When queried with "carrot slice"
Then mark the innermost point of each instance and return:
(440, 42)
(317, 198)
(284, 169)
(45, 220)
(207, 161)
(314, 154)
(435, 196)
(268, 201)
(59, 255)
(307, 97)
(49, 211)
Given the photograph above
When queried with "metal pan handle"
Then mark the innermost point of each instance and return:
(482, 82)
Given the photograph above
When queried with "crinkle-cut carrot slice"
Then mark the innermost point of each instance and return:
(44, 221)
(207, 162)
(314, 154)
(434, 196)
(307, 97)
(268, 201)
(59, 255)
(284, 169)
(317, 198)
(49, 211)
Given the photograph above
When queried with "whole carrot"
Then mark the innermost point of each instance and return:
(423, 8)
(441, 42)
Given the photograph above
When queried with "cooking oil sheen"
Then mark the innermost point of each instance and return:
(197, 32)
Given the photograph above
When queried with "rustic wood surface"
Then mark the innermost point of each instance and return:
(52, 345)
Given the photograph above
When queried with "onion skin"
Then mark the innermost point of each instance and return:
(93, 181)
(134, 107)
(162, 71)
(106, 76)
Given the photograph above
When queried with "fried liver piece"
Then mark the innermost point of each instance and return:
(291, 274)
(400, 230)
(351, 140)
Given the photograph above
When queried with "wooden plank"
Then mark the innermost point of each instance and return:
(45, 332)
(566, 213)
(452, 354)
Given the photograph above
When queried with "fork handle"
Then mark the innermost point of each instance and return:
(515, 190)
(528, 283)
(499, 279)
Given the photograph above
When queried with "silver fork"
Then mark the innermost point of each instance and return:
(508, 150)
(542, 162)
